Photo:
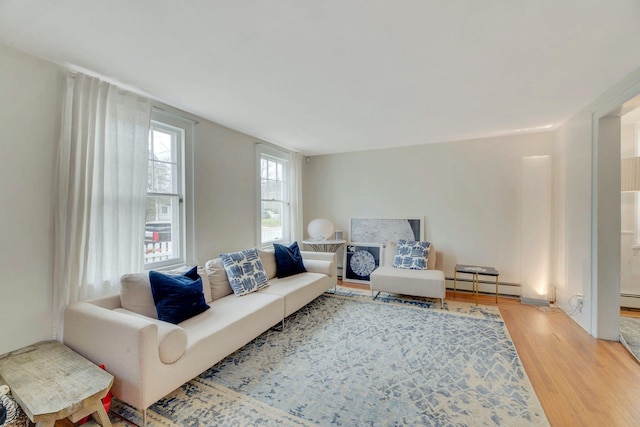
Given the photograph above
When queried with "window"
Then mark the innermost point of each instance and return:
(165, 189)
(274, 196)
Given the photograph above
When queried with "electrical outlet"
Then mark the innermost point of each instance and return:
(580, 302)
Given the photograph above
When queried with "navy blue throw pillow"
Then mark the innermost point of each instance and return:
(177, 298)
(288, 260)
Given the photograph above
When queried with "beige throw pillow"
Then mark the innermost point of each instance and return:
(269, 263)
(135, 294)
(218, 280)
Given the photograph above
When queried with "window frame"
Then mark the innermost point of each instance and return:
(185, 150)
(272, 153)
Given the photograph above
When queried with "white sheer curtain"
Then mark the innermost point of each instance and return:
(297, 226)
(101, 191)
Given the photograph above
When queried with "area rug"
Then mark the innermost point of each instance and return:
(450, 306)
(630, 335)
(346, 360)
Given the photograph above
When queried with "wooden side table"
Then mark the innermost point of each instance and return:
(476, 271)
(51, 382)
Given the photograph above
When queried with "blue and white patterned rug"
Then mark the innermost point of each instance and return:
(450, 306)
(345, 360)
(630, 335)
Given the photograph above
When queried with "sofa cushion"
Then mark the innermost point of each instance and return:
(135, 294)
(389, 253)
(424, 283)
(177, 298)
(411, 254)
(431, 259)
(218, 280)
(288, 260)
(245, 271)
(233, 317)
(298, 290)
(206, 288)
(269, 263)
(135, 291)
(319, 266)
(172, 339)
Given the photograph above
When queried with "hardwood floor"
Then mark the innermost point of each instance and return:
(629, 312)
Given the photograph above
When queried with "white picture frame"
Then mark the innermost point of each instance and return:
(383, 230)
(360, 260)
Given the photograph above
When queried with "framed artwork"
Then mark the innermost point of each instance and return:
(360, 259)
(382, 230)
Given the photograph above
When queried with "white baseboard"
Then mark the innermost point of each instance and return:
(630, 300)
(534, 301)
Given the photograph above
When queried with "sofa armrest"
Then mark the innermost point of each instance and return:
(110, 302)
(321, 262)
(126, 345)
(318, 266)
(324, 256)
(172, 339)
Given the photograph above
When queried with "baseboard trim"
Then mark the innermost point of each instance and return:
(630, 301)
(534, 301)
(488, 282)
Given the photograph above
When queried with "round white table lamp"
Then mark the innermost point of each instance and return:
(320, 229)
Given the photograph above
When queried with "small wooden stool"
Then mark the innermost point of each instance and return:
(51, 382)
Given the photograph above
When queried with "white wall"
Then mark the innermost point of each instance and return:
(536, 229)
(30, 107)
(469, 192)
(573, 211)
(589, 213)
(31, 92)
(225, 191)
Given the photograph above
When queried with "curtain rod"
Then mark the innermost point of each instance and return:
(172, 114)
(277, 147)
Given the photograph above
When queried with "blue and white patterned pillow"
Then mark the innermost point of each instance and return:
(245, 271)
(411, 254)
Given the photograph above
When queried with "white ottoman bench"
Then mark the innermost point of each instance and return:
(420, 283)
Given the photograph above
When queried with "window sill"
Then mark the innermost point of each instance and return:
(171, 267)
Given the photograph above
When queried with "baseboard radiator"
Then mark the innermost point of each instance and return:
(630, 301)
(504, 288)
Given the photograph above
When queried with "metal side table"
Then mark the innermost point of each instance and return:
(475, 271)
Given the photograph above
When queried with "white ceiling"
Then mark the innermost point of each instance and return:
(329, 76)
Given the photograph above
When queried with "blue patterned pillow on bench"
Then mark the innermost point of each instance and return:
(411, 254)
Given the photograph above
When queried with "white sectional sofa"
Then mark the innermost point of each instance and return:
(421, 283)
(150, 358)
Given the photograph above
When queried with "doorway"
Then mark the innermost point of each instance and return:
(629, 233)
(606, 211)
